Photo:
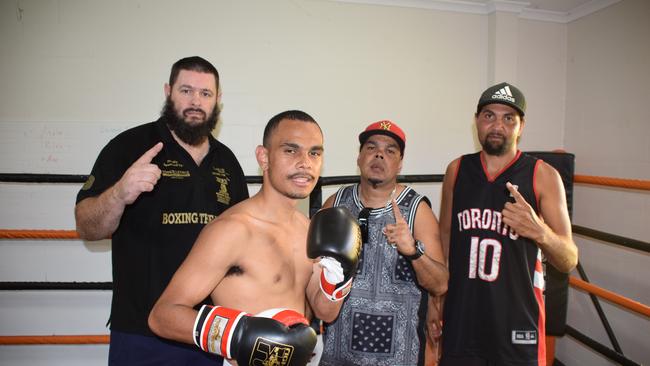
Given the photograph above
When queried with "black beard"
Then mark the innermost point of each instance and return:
(495, 150)
(189, 134)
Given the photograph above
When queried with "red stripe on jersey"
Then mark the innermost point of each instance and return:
(541, 321)
(485, 170)
(538, 266)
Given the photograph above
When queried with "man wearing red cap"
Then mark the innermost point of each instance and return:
(401, 262)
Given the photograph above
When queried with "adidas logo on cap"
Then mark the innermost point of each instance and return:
(504, 93)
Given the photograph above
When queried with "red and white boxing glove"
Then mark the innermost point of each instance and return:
(277, 333)
(332, 279)
(334, 237)
(213, 329)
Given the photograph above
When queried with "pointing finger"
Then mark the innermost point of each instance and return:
(515, 192)
(148, 156)
(396, 212)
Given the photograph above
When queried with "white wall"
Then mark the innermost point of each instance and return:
(542, 71)
(75, 73)
(607, 129)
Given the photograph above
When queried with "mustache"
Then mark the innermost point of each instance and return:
(496, 134)
(301, 175)
(195, 110)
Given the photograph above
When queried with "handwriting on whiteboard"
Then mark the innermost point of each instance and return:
(54, 147)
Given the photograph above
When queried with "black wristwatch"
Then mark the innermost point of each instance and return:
(419, 251)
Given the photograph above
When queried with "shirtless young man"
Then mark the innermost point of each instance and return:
(253, 258)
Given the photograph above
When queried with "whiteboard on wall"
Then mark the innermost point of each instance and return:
(54, 147)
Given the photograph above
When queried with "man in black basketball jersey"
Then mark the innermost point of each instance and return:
(501, 211)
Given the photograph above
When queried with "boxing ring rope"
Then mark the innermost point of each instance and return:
(594, 292)
(611, 238)
(315, 203)
(635, 306)
(54, 339)
(613, 182)
(34, 286)
(72, 234)
(38, 234)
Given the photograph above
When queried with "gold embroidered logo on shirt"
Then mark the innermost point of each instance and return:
(178, 218)
(174, 173)
(223, 178)
(172, 163)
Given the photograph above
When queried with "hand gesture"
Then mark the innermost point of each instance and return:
(521, 217)
(141, 176)
(399, 233)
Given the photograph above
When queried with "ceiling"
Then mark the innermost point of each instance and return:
(562, 6)
(559, 11)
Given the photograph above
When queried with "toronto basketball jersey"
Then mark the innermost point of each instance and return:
(494, 308)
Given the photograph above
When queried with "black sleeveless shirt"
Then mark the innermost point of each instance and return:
(494, 308)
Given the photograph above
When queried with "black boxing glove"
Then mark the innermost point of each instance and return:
(276, 336)
(335, 237)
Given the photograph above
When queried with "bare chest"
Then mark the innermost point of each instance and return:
(273, 272)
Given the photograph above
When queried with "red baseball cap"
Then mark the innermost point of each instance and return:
(385, 127)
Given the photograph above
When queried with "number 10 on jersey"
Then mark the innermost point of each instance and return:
(478, 258)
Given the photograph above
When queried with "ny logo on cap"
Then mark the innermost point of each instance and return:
(385, 125)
